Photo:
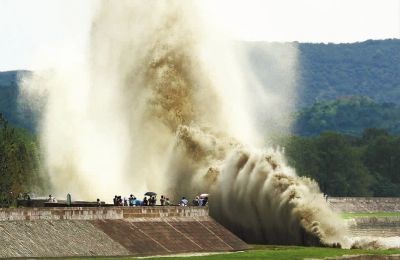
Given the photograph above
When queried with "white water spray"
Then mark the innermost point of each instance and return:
(163, 105)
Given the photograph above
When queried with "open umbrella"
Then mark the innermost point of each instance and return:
(203, 195)
(150, 193)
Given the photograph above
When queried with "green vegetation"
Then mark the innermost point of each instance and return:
(344, 88)
(349, 166)
(326, 72)
(281, 253)
(19, 163)
(349, 215)
(331, 71)
(348, 116)
(18, 115)
(292, 253)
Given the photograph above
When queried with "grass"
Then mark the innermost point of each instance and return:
(289, 252)
(348, 215)
(279, 253)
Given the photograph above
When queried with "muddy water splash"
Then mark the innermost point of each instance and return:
(162, 105)
(254, 192)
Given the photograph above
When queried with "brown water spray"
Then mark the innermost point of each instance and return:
(163, 105)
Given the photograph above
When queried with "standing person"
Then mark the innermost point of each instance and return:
(196, 201)
(152, 201)
(184, 202)
(167, 202)
(145, 201)
(131, 200)
(205, 201)
(137, 202)
(162, 200)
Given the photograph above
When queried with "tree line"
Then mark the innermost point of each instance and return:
(20, 162)
(330, 71)
(345, 165)
(348, 115)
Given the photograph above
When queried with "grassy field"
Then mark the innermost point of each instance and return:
(278, 253)
(369, 215)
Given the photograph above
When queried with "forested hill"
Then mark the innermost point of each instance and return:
(351, 89)
(326, 72)
(330, 71)
(349, 116)
(17, 115)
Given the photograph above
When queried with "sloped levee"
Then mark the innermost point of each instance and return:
(55, 238)
(116, 231)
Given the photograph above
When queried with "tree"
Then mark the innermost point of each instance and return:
(20, 169)
(334, 161)
(382, 158)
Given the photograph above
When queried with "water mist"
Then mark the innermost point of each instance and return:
(162, 104)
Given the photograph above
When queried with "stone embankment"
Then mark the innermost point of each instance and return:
(364, 204)
(375, 226)
(114, 231)
(369, 226)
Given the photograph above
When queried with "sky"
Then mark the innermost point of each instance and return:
(36, 33)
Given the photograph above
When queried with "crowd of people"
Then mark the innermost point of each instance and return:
(151, 200)
(200, 201)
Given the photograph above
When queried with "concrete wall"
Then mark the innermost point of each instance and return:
(369, 226)
(364, 204)
(114, 231)
(375, 226)
(90, 213)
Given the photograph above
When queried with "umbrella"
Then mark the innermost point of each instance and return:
(203, 195)
(150, 193)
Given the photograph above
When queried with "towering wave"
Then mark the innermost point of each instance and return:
(163, 105)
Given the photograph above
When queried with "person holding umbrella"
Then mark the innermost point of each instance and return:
(203, 200)
(152, 198)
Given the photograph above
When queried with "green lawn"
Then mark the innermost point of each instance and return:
(369, 215)
(279, 253)
(290, 253)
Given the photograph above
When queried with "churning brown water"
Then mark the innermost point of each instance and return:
(162, 105)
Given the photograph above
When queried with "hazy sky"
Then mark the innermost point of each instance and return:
(52, 30)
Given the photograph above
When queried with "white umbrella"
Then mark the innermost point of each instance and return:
(203, 195)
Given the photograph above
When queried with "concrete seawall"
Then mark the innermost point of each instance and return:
(114, 231)
(91, 213)
(375, 226)
(369, 226)
(364, 204)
